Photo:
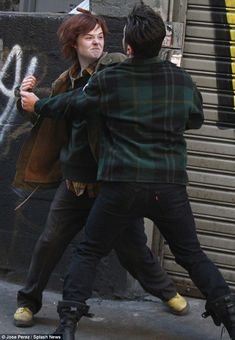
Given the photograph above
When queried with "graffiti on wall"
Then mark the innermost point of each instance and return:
(15, 60)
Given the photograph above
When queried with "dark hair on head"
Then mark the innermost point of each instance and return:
(144, 31)
(75, 25)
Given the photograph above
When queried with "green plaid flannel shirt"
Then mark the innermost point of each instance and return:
(142, 107)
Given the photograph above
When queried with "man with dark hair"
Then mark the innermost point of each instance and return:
(49, 147)
(143, 106)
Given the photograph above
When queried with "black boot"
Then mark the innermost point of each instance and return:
(70, 313)
(222, 310)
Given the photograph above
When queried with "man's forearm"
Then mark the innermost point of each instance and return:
(55, 107)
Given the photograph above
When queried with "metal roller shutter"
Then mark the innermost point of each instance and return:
(209, 52)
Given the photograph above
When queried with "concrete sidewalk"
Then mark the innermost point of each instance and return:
(114, 319)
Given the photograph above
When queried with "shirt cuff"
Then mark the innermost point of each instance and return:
(38, 106)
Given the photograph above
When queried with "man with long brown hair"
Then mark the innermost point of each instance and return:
(82, 40)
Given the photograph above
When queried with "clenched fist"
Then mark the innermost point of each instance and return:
(28, 100)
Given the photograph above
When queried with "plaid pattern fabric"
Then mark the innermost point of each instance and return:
(86, 166)
(145, 106)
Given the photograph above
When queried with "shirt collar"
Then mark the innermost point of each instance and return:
(75, 71)
(143, 61)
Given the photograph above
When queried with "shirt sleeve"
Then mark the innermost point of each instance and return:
(78, 103)
(196, 116)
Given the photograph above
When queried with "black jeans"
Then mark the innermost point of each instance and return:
(114, 209)
(68, 215)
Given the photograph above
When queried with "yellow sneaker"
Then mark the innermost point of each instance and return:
(178, 305)
(23, 317)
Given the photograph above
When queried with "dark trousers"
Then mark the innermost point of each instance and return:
(114, 209)
(68, 215)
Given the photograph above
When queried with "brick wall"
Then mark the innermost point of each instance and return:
(110, 8)
(9, 5)
(121, 8)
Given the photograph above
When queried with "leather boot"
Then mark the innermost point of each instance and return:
(70, 312)
(222, 310)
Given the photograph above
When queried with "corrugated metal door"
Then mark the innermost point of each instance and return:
(209, 50)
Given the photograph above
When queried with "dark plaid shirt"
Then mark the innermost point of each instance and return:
(143, 107)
